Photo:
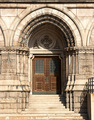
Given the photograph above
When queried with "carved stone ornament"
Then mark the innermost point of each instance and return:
(46, 42)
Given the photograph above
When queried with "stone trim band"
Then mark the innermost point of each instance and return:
(48, 1)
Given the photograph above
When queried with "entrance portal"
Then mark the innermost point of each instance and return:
(46, 75)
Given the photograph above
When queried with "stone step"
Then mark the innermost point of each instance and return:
(45, 98)
(42, 107)
(49, 107)
(54, 100)
(44, 111)
(56, 116)
(49, 95)
(30, 117)
(46, 102)
(41, 97)
(59, 117)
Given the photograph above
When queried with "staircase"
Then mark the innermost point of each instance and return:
(49, 107)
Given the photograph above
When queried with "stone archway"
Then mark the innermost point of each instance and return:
(54, 13)
(90, 41)
(47, 43)
(50, 33)
(58, 34)
(29, 29)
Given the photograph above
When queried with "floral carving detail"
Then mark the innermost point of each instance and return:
(46, 42)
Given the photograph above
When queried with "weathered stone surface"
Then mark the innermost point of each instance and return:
(23, 24)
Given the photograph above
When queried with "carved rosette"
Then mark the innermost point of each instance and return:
(46, 42)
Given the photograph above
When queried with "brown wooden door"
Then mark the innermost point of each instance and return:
(46, 75)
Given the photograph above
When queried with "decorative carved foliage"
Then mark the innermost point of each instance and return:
(46, 42)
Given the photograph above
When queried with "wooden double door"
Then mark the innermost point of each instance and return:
(46, 75)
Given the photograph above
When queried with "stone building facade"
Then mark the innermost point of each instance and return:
(42, 29)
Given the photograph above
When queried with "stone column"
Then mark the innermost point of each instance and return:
(73, 63)
(70, 64)
(30, 70)
(77, 64)
(70, 101)
(67, 99)
(24, 63)
(18, 62)
(67, 65)
(0, 62)
(93, 61)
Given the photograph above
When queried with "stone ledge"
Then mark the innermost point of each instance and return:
(42, 1)
(7, 100)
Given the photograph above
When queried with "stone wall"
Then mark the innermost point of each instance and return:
(79, 70)
(13, 102)
(14, 65)
(14, 85)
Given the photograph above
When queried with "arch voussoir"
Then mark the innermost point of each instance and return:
(53, 12)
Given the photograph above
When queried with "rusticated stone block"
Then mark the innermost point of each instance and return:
(1, 106)
(2, 94)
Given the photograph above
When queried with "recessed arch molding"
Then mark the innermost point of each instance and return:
(33, 24)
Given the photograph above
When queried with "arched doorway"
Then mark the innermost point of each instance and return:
(47, 38)
(46, 64)
(47, 44)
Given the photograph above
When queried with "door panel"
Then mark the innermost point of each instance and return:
(39, 83)
(46, 75)
(53, 83)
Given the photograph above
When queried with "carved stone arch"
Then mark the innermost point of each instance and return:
(90, 38)
(3, 33)
(53, 12)
(2, 38)
(49, 32)
(32, 25)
